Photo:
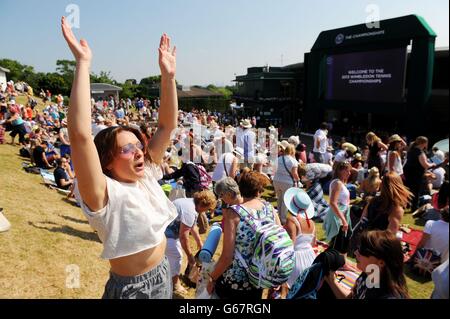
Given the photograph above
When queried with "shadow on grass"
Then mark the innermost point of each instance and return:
(91, 236)
(69, 201)
(75, 220)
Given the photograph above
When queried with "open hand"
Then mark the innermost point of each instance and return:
(80, 50)
(167, 58)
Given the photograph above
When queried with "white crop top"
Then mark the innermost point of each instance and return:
(135, 217)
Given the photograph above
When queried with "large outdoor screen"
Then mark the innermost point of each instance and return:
(375, 76)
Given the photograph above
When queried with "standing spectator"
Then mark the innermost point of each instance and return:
(227, 165)
(246, 139)
(415, 167)
(178, 231)
(17, 125)
(376, 146)
(229, 278)
(64, 139)
(320, 143)
(337, 218)
(394, 157)
(191, 178)
(117, 183)
(285, 177)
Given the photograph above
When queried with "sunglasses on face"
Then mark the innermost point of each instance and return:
(131, 149)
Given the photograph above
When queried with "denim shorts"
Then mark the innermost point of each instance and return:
(155, 284)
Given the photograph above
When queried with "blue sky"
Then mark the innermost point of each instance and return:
(215, 39)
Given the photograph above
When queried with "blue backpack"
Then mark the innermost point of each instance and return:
(273, 258)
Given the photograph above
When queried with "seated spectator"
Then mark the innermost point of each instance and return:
(61, 175)
(39, 156)
(371, 185)
(383, 250)
(440, 280)
(435, 235)
(385, 212)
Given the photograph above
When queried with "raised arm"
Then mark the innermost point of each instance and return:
(91, 181)
(168, 111)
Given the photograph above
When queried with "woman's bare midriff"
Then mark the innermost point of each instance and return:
(139, 263)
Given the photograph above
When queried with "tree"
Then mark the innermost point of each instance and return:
(66, 67)
(18, 71)
(103, 77)
(53, 82)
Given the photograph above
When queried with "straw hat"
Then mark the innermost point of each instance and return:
(395, 138)
(358, 157)
(239, 152)
(246, 124)
(298, 202)
(283, 144)
(349, 147)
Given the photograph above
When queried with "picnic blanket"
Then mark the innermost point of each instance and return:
(48, 178)
(345, 278)
(412, 239)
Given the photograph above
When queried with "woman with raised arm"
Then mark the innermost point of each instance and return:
(117, 184)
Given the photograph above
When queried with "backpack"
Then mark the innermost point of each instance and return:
(205, 179)
(273, 258)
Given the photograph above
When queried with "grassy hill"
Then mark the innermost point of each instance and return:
(49, 235)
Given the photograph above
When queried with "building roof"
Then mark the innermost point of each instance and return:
(4, 69)
(104, 87)
(196, 92)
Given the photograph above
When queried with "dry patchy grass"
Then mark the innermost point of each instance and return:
(48, 234)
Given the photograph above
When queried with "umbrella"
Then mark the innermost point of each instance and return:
(442, 145)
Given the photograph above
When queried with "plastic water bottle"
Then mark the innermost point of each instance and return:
(211, 243)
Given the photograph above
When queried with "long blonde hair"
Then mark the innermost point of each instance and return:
(393, 192)
(371, 138)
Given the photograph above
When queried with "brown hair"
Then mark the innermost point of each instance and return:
(385, 246)
(302, 169)
(252, 183)
(205, 198)
(393, 192)
(419, 141)
(106, 143)
(340, 166)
